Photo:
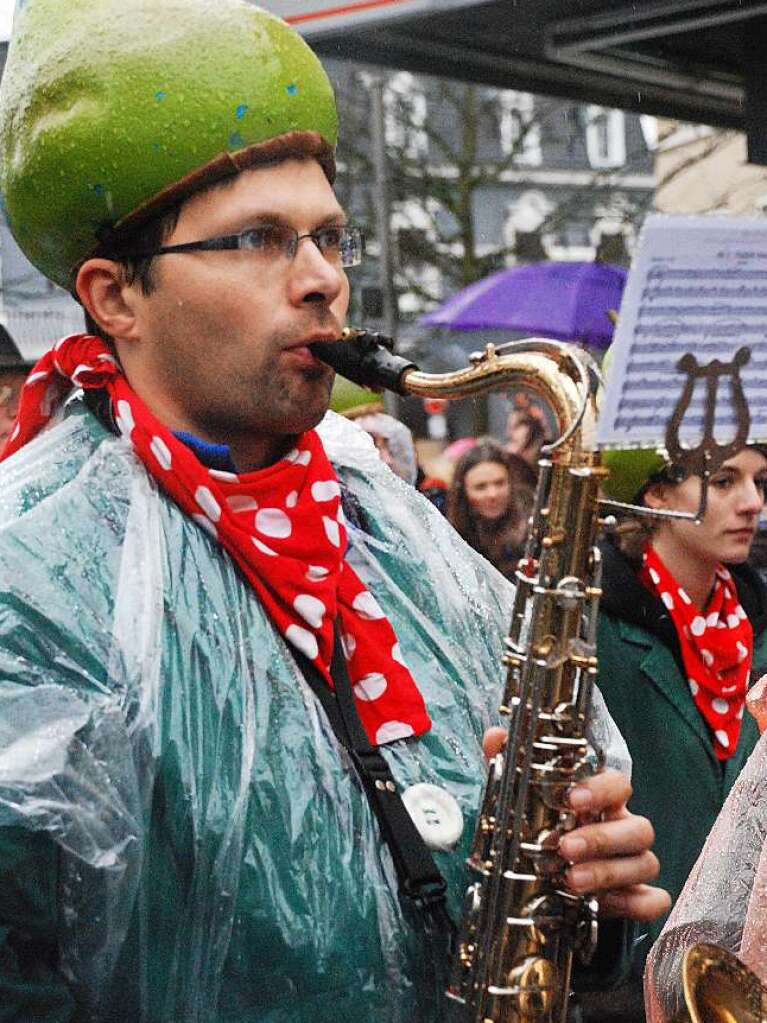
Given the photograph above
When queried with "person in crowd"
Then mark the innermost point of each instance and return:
(525, 434)
(682, 631)
(489, 503)
(13, 373)
(206, 589)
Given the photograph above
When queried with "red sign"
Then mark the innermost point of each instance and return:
(314, 16)
(336, 10)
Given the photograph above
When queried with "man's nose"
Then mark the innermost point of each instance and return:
(313, 278)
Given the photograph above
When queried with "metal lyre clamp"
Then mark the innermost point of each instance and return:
(709, 454)
(706, 457)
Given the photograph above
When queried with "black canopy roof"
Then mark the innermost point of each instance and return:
(695, 60)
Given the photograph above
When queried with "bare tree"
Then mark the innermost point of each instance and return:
(448, 148)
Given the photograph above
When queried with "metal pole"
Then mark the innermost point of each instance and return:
(383, 216)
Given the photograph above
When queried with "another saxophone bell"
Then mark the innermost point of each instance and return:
(718, 988)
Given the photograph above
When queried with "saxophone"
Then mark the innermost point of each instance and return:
(521, 928)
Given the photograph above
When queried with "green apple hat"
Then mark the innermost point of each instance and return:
(111, 111)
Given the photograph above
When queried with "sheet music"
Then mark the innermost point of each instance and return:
(699, 285)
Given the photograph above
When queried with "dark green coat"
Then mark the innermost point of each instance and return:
(678, 782)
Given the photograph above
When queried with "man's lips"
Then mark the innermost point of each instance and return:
(302, 347)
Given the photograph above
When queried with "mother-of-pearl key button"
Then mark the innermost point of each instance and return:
(435, 813)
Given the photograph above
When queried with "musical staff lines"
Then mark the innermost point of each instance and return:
(699, 285)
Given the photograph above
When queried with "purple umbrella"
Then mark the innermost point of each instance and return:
(566, 301)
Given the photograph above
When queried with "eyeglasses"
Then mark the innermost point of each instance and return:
(343, 246)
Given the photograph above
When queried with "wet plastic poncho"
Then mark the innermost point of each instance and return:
(725, 899)
(181, 836)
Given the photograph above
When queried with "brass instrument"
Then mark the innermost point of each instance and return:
(718, 988)
(521, 928)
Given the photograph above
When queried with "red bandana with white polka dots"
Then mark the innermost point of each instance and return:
(283, 526)
(717, 645)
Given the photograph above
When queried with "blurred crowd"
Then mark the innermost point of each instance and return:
(483, 485)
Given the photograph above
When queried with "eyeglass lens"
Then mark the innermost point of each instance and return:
(342, 245)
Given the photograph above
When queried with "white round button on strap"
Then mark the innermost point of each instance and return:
(435, 813)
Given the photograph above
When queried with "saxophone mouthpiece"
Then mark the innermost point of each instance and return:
(366, 359)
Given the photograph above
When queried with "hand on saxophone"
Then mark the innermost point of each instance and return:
(610, 849)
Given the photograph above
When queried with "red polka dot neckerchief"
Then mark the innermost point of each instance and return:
(283, 526)
(717, 645)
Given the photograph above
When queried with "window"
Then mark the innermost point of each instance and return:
(413, 244)
(405, 115)
(520, 134)
(605, 137)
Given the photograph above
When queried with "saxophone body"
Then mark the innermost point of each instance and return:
(521, 928)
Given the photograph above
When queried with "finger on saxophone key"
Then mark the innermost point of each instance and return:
(642, 902)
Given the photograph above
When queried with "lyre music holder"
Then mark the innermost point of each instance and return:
(704, 458)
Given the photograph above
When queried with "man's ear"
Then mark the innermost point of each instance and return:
(656, 496)
(102, 289)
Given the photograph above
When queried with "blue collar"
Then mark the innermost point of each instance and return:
(214, 456)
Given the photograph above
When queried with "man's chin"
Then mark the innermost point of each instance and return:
(303, 416)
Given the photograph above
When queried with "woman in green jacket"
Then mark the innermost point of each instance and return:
(682, 633)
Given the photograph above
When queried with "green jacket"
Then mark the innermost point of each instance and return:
(678, 782)
(181, 838)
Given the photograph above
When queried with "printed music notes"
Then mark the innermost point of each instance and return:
(698, 285)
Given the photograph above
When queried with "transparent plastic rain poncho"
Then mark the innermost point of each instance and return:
(725, 899)
(181, 836)
(399, 441)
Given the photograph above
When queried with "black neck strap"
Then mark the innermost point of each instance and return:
(420, 881)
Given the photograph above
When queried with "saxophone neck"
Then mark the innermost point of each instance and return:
(565, 377)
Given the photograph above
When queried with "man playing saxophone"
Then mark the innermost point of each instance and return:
(229, 637)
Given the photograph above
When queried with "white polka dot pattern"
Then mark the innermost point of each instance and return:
(242, 503)
(332, 530)
(325, 490)
(284, 529)
(273, 522)
(161, 452)
(370, 687)
(208, 503)
(124, 419)
(207, 525)
(303, 640)
(348, 644)
(317, 573)
(264, 548)
(311, 609)
(367, 607)
(716, 646)
(393, 730)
